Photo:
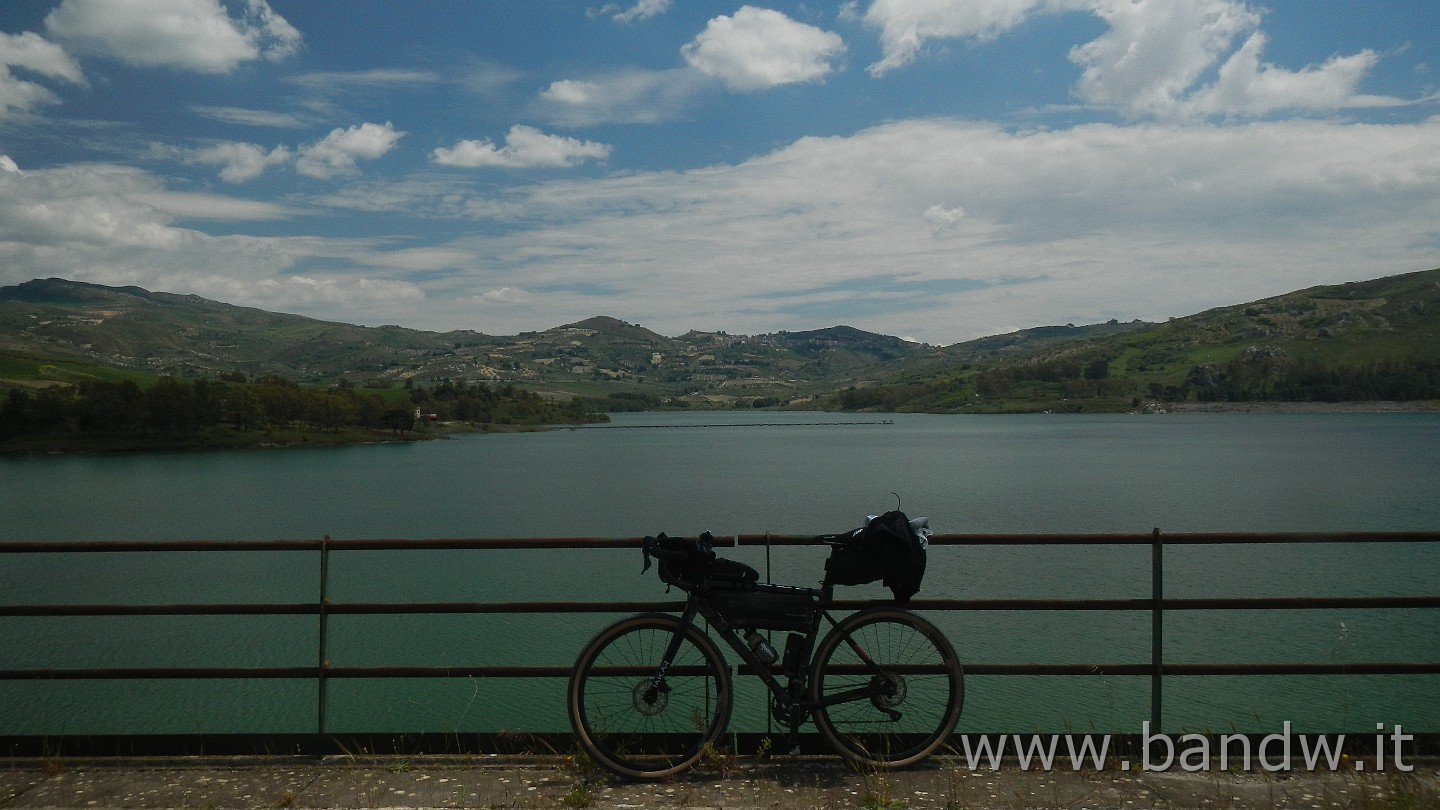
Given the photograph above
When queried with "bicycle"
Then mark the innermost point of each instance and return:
(651, 694)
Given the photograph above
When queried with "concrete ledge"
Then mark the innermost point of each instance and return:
(786, 783)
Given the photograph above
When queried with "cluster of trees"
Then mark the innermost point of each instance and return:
(173, 407)
(1256, 376)
(1290, 380)
(884, 397)
(1002, 380)
(461, 401)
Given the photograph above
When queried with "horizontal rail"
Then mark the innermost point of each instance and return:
(412, 608)
(312, 673)
(322, 609)
(518, 544)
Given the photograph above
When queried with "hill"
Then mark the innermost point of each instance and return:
(68, 327)
(1371, 340)
(1364, 340)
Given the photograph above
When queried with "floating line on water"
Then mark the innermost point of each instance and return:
(734, 425)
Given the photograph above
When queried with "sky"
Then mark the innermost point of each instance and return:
(938, 170)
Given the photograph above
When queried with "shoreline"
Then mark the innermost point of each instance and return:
(1376, 406)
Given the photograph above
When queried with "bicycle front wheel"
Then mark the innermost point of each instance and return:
(915, 685)
(637, 724)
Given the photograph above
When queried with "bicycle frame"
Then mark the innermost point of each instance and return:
(788, 696)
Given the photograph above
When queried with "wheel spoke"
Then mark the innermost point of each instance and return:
(920, 688)
(626, 724)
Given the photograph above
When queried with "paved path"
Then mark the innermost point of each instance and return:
(527, 783)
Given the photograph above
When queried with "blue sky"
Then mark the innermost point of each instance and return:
(933, 169)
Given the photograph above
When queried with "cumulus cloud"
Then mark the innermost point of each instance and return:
(240, 162)
(1153, 53)
(119, 225)
(760, 48)
(525, 147)
(1247, 87)
(756, 49)
(335, 155)
(34, 53)
(1151, 58)
(905, 25)
(1050, 226)
(198, 35)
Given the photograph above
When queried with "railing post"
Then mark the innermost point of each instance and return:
(1157, 627)
(322, 685)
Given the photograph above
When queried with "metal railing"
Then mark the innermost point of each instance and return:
(1157, 605)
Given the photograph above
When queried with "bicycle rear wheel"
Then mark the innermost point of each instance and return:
(628, 725)
(921, 682)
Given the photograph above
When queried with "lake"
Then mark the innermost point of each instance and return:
(736, 473)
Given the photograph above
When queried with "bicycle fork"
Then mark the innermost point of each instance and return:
(658, 684)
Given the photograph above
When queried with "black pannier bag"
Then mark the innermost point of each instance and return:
(887, 548)
(757, 606)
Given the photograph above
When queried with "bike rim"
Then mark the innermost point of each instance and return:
(919, 706)
(635, 728)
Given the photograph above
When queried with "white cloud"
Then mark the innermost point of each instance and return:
(905, 25)
(8, 164)
(117, 225)
(755, 49)
(198, 35)
(192, 206)
(250, 118)
(760, 48)
(524, 147)
(1154, 52)
(1077, 225)
(335, 155)
(363, 80)
(240, 162)
(504, 295)
(1049, 226)
(32, 52)
(1247, 87)
(629, 96)
(943, 220)
(1150, 60)
(641, 11)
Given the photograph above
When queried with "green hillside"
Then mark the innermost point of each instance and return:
(159, 334)
(1372, 340)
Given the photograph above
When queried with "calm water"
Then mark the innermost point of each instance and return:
(1003, 474)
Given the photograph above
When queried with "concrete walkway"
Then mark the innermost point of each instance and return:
(531, 782)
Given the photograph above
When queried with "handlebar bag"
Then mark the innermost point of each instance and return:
(693, 564)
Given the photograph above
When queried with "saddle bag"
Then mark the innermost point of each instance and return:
(887, 548)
